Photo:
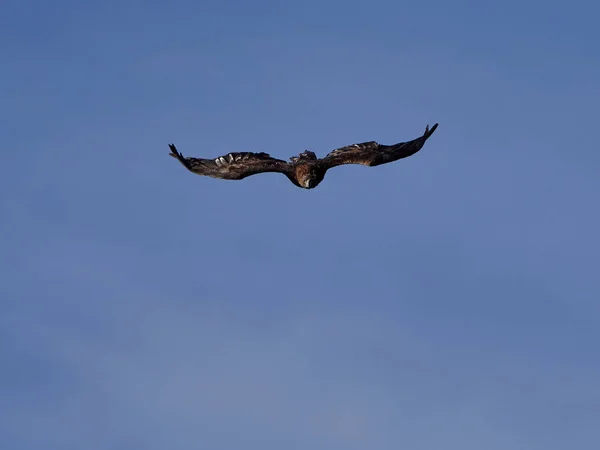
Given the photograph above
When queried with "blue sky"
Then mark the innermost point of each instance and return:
(449, 300)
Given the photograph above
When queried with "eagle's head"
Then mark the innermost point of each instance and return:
(309, 176)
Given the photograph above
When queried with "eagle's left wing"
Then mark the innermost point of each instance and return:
(374, 154)
(233, 166)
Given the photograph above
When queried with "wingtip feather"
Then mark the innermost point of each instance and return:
(174, 152)
(429, 131)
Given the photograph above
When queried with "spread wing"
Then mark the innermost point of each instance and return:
(374, 154)
(233, 166)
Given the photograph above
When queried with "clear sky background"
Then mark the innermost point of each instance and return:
(446, 301)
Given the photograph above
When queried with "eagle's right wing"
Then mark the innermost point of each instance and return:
(373, 154)
(233, 166)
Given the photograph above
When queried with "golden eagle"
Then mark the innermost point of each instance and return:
(305, 170)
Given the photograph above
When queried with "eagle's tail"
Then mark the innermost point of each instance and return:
(306, 155)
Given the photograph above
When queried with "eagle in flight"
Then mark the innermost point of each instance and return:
(305, 170)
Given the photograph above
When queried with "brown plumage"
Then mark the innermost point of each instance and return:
(305, 170)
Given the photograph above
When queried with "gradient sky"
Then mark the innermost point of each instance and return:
(446, 301)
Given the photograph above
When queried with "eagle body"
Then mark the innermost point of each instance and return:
(304, 170)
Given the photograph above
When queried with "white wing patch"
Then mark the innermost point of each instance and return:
(230, 158)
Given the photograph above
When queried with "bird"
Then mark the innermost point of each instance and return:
(304, 170)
